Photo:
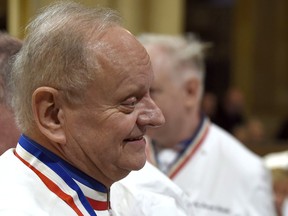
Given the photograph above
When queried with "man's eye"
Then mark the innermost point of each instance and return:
(129, 105)
(131, 102)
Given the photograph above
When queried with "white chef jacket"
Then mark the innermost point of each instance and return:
(36, 182)
(149, 192)
(220, 175)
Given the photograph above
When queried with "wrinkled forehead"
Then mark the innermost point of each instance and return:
(125, 66)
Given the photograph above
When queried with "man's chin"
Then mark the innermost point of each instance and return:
(138, 164)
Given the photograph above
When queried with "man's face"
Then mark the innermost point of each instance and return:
(105, 133)
(169, 95)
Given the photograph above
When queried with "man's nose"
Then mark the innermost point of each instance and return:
(151, 114)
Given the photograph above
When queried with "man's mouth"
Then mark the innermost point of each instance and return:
(134, 139)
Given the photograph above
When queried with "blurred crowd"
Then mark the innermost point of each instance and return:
(229, 113)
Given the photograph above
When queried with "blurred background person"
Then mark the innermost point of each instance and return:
(231, 110)
(9, 132)
(277, 162)
(255, 131)
(210, 105)
(209, 164)
(282, 131)
(251, 132)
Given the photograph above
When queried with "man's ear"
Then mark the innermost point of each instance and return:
(192, 89)
(48, 113)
